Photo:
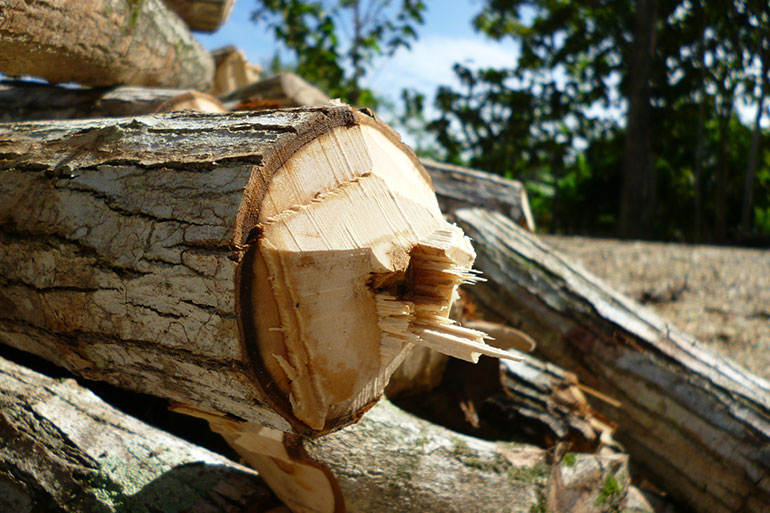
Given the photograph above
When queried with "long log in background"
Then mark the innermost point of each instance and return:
(103, 42)
(696, 424)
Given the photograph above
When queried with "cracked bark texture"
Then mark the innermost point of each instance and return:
(696, 424)
(102, 42)
(64, 450)
(120, 239)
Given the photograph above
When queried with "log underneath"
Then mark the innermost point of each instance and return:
(391, 461)
(101, 43)
(203, 15)
(64, 450)
(698, 425)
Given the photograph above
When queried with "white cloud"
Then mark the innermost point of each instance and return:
(429, 63)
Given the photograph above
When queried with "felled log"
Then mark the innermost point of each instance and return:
(203, 15)
(274, 266)
(391, 461)
(278, 91)
(461, 187)
(32, 101)
(697, 425)
(64, 449)
(233, 71)
(102, 43)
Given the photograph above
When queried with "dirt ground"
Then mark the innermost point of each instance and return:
(719, 294)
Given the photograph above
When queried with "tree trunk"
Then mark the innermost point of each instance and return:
(725, 114)
(697, 425)
(203, 15)
(751, 165)
(700, 129)
(637, 195)
(274, 266)
(64, 450)
(390, 461)
(101, 43)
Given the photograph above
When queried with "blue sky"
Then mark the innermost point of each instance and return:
(446, 37)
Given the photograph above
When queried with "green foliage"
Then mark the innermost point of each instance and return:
(335, 42)
(545, 122)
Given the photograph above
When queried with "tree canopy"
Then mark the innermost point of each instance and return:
(621, 118)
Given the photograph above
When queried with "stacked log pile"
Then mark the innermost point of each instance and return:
(273, 268)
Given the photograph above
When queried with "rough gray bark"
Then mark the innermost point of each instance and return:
(103, 42)
(32, 101)
(63, 449)
(698, 425)
(203, 15)
(461, 187)
(121, 242)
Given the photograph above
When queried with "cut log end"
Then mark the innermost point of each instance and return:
(351, 264)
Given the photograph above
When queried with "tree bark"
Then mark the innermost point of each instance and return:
(637, 195)
(274, 266)
(460, 187)
(65, 450)
(203, 15)
(697, 425)
(278, 91)
(102, 43)
(390, 461)
(31, 101)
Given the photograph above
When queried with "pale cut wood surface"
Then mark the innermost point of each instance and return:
(64, 450)
(101, 42)
(695, 423)
(202, 15)
(233, 70)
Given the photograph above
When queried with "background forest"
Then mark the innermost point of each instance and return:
(621, 118)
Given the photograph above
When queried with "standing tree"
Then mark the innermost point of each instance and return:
(637, 194)
(626, 108)
(334, 42)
